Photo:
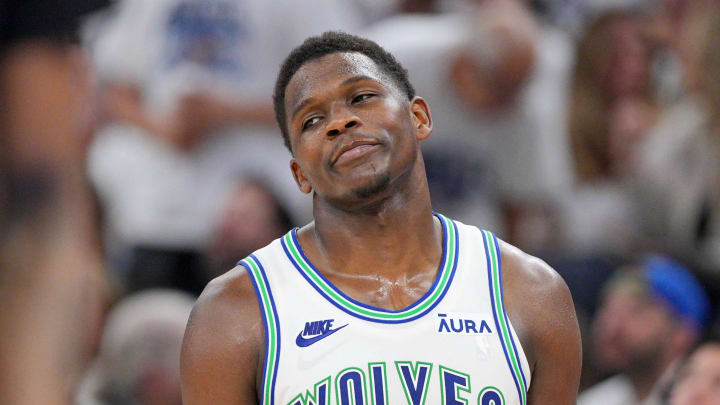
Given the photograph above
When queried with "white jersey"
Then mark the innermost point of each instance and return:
(453, 346)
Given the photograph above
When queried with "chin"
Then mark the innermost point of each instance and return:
(379, 185)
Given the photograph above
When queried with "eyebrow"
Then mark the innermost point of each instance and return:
(301, 106)
(348, 81)
(356, 79)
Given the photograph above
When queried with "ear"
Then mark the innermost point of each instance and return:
(302, 181)
(421, 118)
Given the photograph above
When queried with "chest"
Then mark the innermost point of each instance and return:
(452, 345)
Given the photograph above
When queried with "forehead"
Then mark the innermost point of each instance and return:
(327, 72)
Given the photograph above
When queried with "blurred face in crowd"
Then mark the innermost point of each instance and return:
(631, 329)
(627, 68)
(248, 222)
(699, 380)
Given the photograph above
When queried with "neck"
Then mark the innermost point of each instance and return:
(393, 237)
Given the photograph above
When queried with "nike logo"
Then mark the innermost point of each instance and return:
(322, 327)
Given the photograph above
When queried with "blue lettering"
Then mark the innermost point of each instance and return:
(460, 325)
(351, 380)
(470, 326)
(491, 396)
(377, 382)
(484, 327)
(317, 327)
(443, 324)
(414, 379)
(452, 382)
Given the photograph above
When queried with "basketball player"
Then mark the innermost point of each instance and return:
(379, 300)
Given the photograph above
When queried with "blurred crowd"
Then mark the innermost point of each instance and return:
(139, 159)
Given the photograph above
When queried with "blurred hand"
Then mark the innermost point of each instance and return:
(196, 114)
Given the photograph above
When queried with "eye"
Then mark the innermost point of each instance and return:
(362, 97)
(310, 122)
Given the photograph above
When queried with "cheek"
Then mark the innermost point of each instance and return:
(397, 126)
(310, 149)
(390, 112)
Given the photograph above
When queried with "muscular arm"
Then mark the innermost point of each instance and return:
(223, 347)
(541, 309)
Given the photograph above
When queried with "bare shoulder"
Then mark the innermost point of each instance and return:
(523, 266)
(541, 310)
(534, 294)
(223, 343)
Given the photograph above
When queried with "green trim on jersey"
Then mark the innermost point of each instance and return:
(376, 314)
(494, 252)
(271, 326)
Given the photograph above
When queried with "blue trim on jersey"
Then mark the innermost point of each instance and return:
(507, 321)
(265, 324)
(414, 304)
(438, 277)
(495, 315)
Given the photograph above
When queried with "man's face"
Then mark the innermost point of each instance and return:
(631, 330)
(351, 129)
(699, 380)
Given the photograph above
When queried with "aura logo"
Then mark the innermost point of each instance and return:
(462, 324)
(315, 331)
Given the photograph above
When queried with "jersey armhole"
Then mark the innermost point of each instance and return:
(271, 323)
(516, 360)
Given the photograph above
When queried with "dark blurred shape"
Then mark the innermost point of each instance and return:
(51, 283)
(418, 6)
(42, 19)
(158, 267)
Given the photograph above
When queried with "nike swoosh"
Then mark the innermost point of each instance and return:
(304, 342)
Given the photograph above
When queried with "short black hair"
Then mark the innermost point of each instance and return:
(328, 43)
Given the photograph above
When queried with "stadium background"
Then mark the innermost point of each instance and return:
(140, 157)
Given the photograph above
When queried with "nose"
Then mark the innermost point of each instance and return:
(341, 119)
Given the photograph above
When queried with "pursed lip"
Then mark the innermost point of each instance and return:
(348, 146)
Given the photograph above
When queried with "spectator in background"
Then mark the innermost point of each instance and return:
(698, 381)
(252, 216)
(650, 317)
(139, 359)
(187, 84)
(611, 107)
(494, 80)
(679, 161)
(51, 280)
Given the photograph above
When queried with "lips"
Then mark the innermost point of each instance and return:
(351, 149)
